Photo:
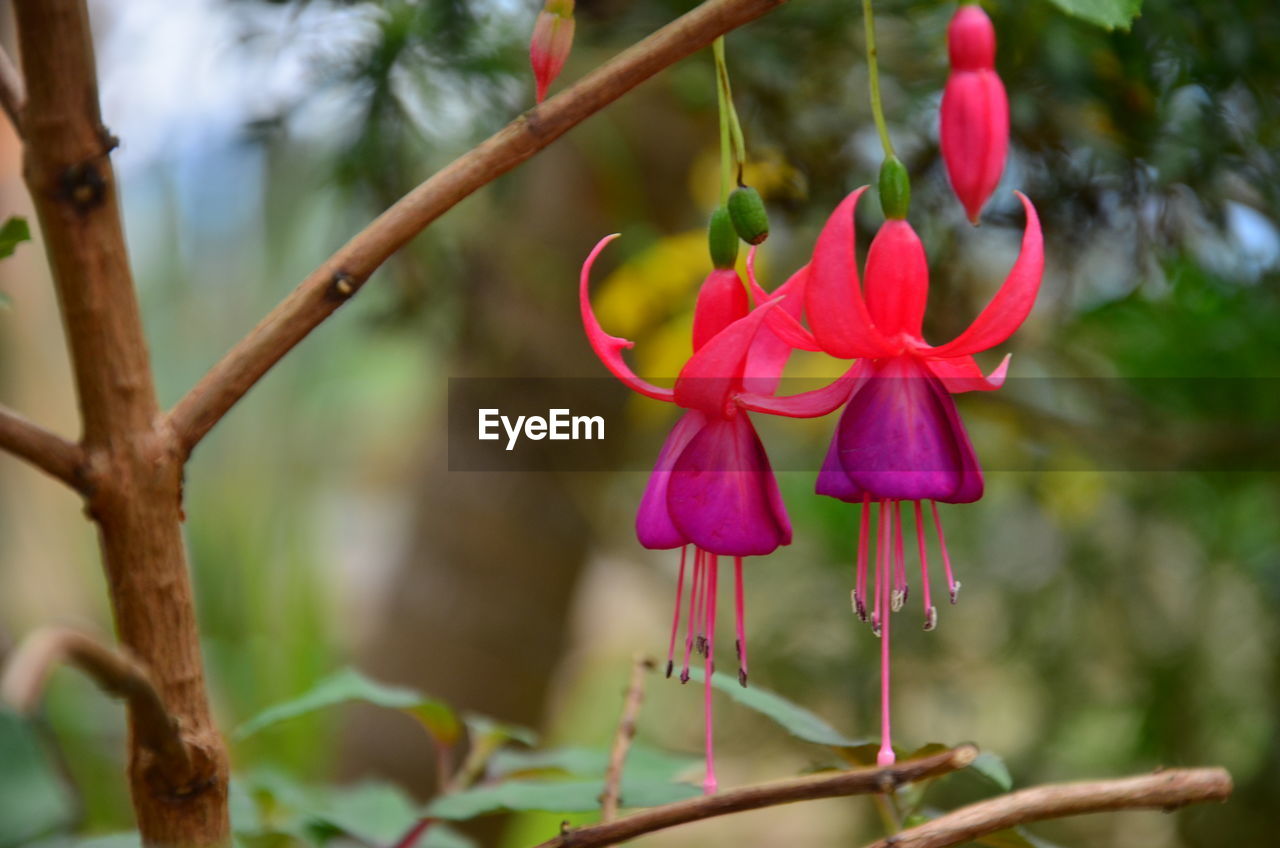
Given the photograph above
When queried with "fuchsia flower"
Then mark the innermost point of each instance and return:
(974, 131)
(712, 486)
(900, 437)
(551, 42)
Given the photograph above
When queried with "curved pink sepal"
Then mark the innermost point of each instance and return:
(784, 323)
(707, 381)
(812, 404)
(962, 374)
(1011, 305)
(654, 527)
(609, 348)
(833, 296)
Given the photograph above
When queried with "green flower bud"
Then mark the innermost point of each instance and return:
(895, 188)
(722, 240)
(746, 208)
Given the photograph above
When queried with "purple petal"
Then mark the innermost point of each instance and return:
(900, 437)
(654, 528)
(833, 480)
(722, 494)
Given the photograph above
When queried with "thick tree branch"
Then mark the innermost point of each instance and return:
(1166, 790)
(808, 788)
(133, 470)
(47, 451)
(13, 94)
(342, 275)
(34, 659)
(631, 704)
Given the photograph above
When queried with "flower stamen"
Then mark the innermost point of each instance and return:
(900, 588)
(740, 614)
(860, 584)
(953, 585)
(675, 617)
(885, 756)
(709, 783)
(930, 611)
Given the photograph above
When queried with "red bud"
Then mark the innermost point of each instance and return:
(975, 111)
(552, 39)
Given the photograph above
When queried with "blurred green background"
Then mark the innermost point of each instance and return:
(1111, 621)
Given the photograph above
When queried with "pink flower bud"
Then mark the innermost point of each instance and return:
(552, 39)
(975, 111)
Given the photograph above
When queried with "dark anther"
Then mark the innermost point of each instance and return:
(342, 286)
(684, 675)
(83, 186)
(737, 646)
(702, 646)
(670, 667)
(742, 677)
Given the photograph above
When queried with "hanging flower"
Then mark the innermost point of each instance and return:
(900, 437)
(551, 42)
(974, 131)
(712, 487)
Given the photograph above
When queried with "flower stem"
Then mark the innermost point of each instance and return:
(873, 75)
(733, 148)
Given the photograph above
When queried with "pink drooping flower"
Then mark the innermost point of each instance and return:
(551, 42)
(712, 487)
(974, 131)
(900, 437)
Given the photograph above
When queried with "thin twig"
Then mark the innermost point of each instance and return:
(856, 782)
(342, 274)
(32, 662)
(622, 741)
(47, 451)
(13, 94)
(1166, 790)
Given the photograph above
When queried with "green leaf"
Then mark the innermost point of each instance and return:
(13, 233)
(33, 800)
(799, 721)
(554, 797)
(494, 732)
(992, 767)
(350, 685)
(1108, 14)
(643, 763)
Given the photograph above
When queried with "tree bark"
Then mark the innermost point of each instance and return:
(133, 478)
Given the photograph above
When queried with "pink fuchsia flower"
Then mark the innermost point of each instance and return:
(900, 437)
(712, 487)
(551, 42)
(974, 132)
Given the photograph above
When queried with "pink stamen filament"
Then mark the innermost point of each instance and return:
(885, 757)
(700, 616)
(740, 615)
(860, 583)
(675, 617)
(953, 587)
(709, 783)
(694, 588)
(930, 612)
(881, 609)
(900, 589)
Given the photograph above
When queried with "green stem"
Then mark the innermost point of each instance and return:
(873, 74)
(733, 148)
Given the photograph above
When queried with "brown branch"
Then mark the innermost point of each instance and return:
(342, 274)
(32, 662)
(13, 93)
(622, 741)
(810, 787)
(1165, 790)
(133, 470)
(47, 451)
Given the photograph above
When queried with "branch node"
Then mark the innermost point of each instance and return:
(342, 286)
(83, 186)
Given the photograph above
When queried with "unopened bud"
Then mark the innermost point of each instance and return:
(746, 209)
(974, 127)
(551, 42)
(722, 239)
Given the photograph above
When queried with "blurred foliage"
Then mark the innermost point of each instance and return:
(1111, 621)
